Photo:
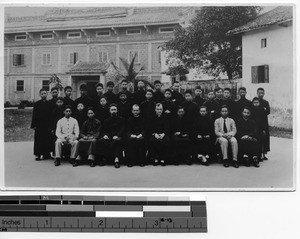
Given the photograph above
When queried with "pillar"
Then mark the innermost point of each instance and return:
(118, 55)
(149, 57)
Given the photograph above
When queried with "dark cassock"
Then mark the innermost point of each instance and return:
(127, 93)
(136, 146)
(124, 109)
(89, 133)
(231, 104)
(158, 148)
(199, 100)
(181, 140)
(259, 115)
(110, 148)
(148, 110)
(111, 97)
(41, 122)
(138, 97)
(96, 101)
(240, 104)
(52, 104)
(213, 109)
(169, 109)
(247, 146)
(266, 106)
(81, 117)
(69, 101)
(177, 98)
(158, 97)
(102, 113)
(191, 110)
(219, 100)
(203, 136)
(85, 100)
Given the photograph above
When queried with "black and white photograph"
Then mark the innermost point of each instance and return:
(195, 97)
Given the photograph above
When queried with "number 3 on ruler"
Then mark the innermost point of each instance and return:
(156, 223)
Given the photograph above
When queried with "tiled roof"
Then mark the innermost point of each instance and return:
(88, 67)
(62, 20)
(276, 15)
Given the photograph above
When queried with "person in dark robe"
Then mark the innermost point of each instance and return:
(168, 105)
(80, 114)
(124, 90)
(266, 106)
(88, 134)
(140, 94)
(41, 122)
(191, 109)
(203, 137)
(219, 95)
(84, 98)
(158, 136)
(260, 117)
(242, 102)
(158, 95)
(124, 107)
(56, 115)
(180, 138)
(109, 94)
(247, 138)
(136, 132)
(229, 102)
(177, 97)
(99, 90)
(148, 106)
(52, 101)
(198, 96)
(109, 144)
(212, 106)
(102, 110)
(67, 99)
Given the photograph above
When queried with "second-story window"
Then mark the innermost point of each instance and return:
(166, 29)
(133, 31)
(103, 33)
(47, 36)
(18, 59)
(71, 35)
(103, 57)
(20, 37)
(73, 58)
(45, 85)
(46, 59)
(263, 43)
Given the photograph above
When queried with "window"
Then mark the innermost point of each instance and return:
(166, 29)
(20, 85)
(133, 31)
(103, 33)
(20, 37)
(103, 56)
(264, 43)
(74, 35)
(18, 59)
(73, 58)
(46, 59)
(47, 36)
(132, 54)
(45, 85)
(260, 74)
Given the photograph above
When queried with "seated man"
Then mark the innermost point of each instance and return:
(203, 132)
(136, 138)
(88, 134)
(225, 131)
(109, 144)
(180, 135)
(158, 134)
(247, 138)
(67, 132)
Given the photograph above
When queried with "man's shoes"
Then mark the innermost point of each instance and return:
(48, 156)
(38, 158)
(92, 164)
(142, 165)
(246, 160)
(129, 165)
(101, 163)
(117, 164)
(75, 164)
(225, 163)
(162, 163)
(189, 162)
(235, 164)
(255, 162)
(57, 162)
(265, 158)
(155, 162)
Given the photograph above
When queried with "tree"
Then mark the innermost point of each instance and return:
(204, 43)
(56, 81)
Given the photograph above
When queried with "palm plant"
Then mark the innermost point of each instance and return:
(56, 82)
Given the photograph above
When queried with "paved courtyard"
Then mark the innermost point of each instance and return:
(21, 170)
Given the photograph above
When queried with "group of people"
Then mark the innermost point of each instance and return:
(152, 127)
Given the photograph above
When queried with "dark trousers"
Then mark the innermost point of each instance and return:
(158, 147)
(84, 147)
(248, 147)
(135, 152)
(181, 146)
(108, 148)
(203, 146)
(42, 142)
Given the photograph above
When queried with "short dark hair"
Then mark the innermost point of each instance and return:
(203, 106)
(67, 88)
(228, 89)
(188, 92)
(124, 80)
(43, 89)
(168, 90)
(157, 82)
(99, 84)
(149, 90)
(210, 91)
(83, 87)
(247, 108)
(242, 88)
(68, 107)
(59, 98)
(90, 108)
(158, 104)
(176, 82)
(217, 89)
(255, 98)
(224, 106)
(101, 97)
(110, 83)
(198, 87)
(54, 88)
(113, 104)
(260, 89)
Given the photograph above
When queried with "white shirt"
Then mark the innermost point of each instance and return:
(67, 127)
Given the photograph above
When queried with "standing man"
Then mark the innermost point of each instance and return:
(158, 95)
(231, 104)
(190, 108)
(54, 93)
(148, 106)
(139, 94)
(41, 122)
(109, 94)
(219, 95)
(84, 99)
(67, 132)
(124, 90)
(242, 103)
(67, 99)
(177, 97)
(198, 96)
(99, 90)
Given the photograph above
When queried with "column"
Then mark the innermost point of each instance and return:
(32, 88)
(33, 60)
(149, 57)
(102, 79)
(69, 81)
(8, 61)
(118, 55)
(87, 52)
(59, 59)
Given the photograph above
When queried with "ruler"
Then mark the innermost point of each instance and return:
(71, 213)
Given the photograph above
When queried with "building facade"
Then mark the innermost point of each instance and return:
(78, 45)
(268, 56)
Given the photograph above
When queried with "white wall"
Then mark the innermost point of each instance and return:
(278, 55)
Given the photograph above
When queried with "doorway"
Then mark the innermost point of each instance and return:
(90, 82)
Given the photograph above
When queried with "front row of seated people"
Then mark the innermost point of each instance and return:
(136, 139)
